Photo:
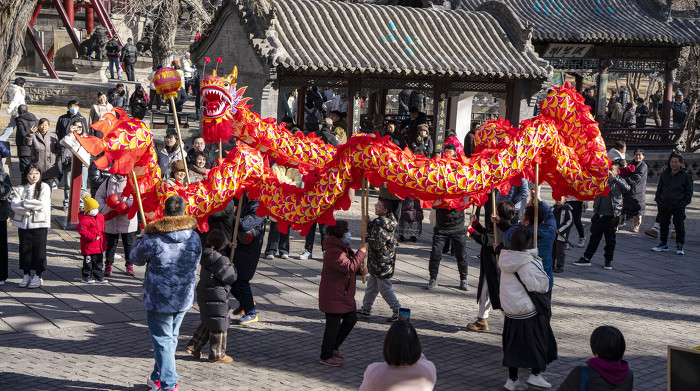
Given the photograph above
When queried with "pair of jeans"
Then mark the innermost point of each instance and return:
(602, 226)
(164, 329)
(459, 242)
(577, 207)
(338, 327)
(277, 241)
(378, 285)
(8, 130)
(664, 218)
(114, 64)
(311, 237)
(113, 242)
(242, 292)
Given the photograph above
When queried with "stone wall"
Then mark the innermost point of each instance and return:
(55, 92)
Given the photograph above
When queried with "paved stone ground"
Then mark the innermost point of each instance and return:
(70, 336)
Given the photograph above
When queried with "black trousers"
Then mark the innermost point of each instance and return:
(92, 266)
(311, 237)
(577, 207)
(459, 241)
(664, 218)
(24, 161)
(338, 327)
(242, 292)
(3, 251)
(32, 249)
(602, 226)
(277, 240)
(129, 69)
(113, 242)
(559, 253)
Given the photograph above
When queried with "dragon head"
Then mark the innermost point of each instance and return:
(220, 100)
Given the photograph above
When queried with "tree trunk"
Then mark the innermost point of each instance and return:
(164, 29)
(14, 18)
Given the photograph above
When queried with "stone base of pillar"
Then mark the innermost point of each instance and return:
(93, 71)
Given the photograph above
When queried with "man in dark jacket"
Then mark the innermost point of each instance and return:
(26, 125)
(642, 113)
(590, 99)
(607, 210)
(251, 231)
(449, 225)
(129, 56)
(404, 101)
(325, 133)
(118, 96)
(113, 52)
(394, 136)
(680, 110)
(673, 193)
(171, 250)
(409, 127)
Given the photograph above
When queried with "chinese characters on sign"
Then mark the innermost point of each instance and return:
(440, 120)
(356, 102)
(566, 50)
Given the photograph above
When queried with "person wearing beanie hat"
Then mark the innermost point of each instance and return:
(91, 227)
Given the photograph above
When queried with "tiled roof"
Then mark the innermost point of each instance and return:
(597, 21)
(330, 36)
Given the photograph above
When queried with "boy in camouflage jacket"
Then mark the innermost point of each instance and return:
(381, 257)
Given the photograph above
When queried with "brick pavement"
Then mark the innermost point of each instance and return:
(70, 336)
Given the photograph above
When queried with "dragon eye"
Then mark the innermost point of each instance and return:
(226, 84)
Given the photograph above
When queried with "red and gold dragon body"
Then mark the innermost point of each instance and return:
(564, 139)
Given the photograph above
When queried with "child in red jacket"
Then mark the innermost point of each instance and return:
(91, 227)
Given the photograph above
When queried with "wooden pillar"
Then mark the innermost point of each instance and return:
(514, 91)
(439, 114)
(602, 95)
(372, 104)
(382, 102)
(668, 96)
(90, 19)
(301, 97)
(579, 83)
(70, 12)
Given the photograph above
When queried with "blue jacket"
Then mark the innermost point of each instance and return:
(171, 249)
(546, 234)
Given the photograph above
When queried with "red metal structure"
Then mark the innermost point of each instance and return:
(66, 11)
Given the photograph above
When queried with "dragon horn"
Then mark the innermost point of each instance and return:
(234, 74)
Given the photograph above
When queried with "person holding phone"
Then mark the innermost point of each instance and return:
(336, 292)
(405, 367)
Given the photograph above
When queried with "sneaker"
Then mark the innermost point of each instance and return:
(284, 256)
(36, 282)
(269, 256)
(568, 246)
(239, 310)
(581, 242)
(463, 286)
(223, 360)
(608, 265)
(305, 255)
(101, 281)
(394, 317)
(2, 282)
(679, 250)
(583, 262)
(660, 247)
(653, 232)
(331, 362)
(432, 284)
(338, 355)
(25, 281)
(194, 353)
(247, 319)
(130, 270)
(363, 312)
(481, 324)
(117, 256)
(515, 385)
(87, 280)
(558, 269)
(538, 381)
(108, 270)
(153, 384)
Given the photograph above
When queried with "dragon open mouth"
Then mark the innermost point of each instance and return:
(215, 101)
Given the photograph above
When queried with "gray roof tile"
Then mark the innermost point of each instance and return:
(598, 21)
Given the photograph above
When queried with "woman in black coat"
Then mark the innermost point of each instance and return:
(138, 103)
(215, 279)
(634, 202)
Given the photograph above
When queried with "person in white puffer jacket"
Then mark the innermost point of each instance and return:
(528, 341)
(16, 98)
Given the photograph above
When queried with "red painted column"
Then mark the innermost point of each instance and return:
(75, 190)
(90, 19)
(70, 12)
(668, 97)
